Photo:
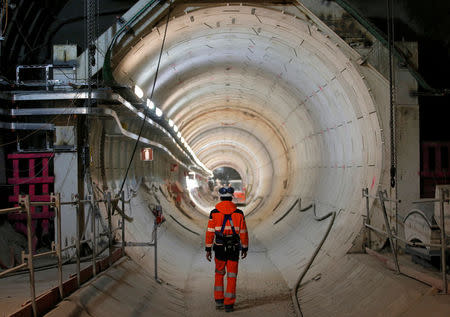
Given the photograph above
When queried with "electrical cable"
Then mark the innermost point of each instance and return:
(391, 94)
(146, 111)
(6, 17)
(311, 260)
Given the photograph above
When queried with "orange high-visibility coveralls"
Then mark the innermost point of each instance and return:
(226, 259)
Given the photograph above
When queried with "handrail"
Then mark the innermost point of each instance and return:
(443, 245)
(27, 258)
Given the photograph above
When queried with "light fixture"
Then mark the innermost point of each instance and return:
(150, 104)
(158, 112)
(179, 134)
(183, 140)
(138, 91)
(175, 128)
(171, 123)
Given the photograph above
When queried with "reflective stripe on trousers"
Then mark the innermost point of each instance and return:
(232, 269)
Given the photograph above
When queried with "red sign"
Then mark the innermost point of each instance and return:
(147, 154)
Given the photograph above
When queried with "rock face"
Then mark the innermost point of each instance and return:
(11, 244)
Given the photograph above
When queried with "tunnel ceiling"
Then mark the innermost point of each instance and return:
(266, 93)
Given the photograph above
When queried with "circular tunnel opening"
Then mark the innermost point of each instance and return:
(280, 102)
(226, 176)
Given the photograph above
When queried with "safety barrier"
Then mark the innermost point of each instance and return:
(382, 197)
(37, 184)
(41, 304)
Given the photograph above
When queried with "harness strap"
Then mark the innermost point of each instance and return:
(225, 218)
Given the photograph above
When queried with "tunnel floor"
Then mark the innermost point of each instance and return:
(127, 290)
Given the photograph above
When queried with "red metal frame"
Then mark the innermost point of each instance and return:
(45, 180)
(429, 178)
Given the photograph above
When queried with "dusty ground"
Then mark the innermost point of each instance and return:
(126, 290)
(258, 293)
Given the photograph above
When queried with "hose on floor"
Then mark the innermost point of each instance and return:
(311, 260)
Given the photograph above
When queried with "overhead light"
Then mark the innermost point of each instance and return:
(171, 123)
(179, 134)
(158, 112)
(175, 128)
(138, 91)
(150, 104)
(183, 140)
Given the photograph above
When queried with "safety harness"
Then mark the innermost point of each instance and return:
(229, 242)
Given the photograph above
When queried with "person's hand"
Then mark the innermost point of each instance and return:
(244, 254)
(208, 256)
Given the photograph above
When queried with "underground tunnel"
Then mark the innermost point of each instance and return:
(274, 94)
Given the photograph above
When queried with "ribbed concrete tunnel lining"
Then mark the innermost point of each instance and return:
(320, 116)
(273, 97)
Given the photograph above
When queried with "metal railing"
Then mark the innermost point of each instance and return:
(112, 204)
(27, 258)
(382, 197)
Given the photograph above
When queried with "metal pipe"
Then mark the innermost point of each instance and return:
(42, 203)
(385, 198)
(122, 194)
(8, 210)
(77, 244)
(109, 210)
(25, 202)
(139, 244)
(413, 244)
(156, 250)
(35, 256)
(94, 242)
(443, 242)
(13, 269)
(430, 200)
(366, 193)
(388, 229)
(57, 206)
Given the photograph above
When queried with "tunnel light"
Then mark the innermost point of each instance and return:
(158, 112)
(150, 104)
(175, 128)
(171, 123)
(179, 134)
(191, 183)
(138, 91)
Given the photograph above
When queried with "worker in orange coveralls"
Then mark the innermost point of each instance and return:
(228, 232)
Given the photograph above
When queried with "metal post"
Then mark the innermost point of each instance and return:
(108, 208)
(366, 195)
(57, 199)
(77, 244)
(94, 239)
(123, 222)
(443, 241)
(156, 250)
(25, 202)
(388, 229)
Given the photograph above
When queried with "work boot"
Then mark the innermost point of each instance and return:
(219, 303)
(229, 308)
